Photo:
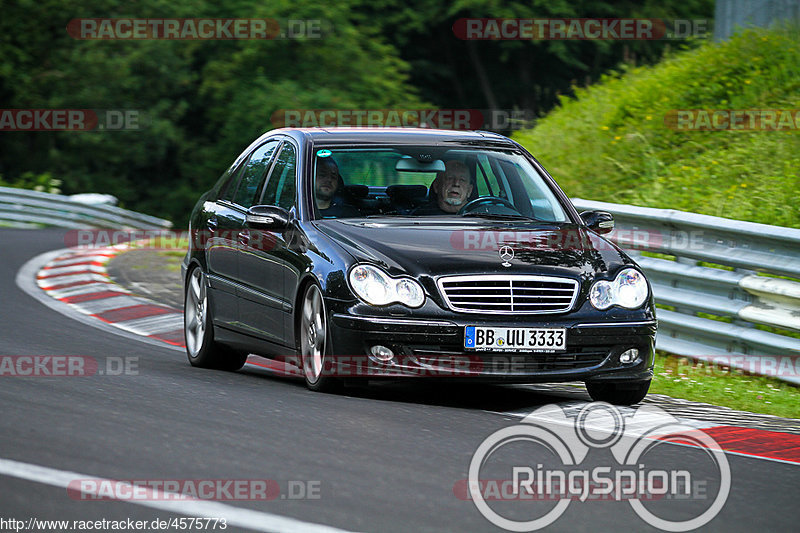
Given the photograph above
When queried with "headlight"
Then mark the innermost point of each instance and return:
(629, 290)
(376, 287)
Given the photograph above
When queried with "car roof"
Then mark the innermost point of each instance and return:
(381, 135)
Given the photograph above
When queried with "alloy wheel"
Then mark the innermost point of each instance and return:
(195, 311)
(313, 334)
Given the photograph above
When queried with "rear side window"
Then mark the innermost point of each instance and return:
(281, 186)
(253, 175)
(229, 188)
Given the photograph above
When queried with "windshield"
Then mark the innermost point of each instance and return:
(426, 181)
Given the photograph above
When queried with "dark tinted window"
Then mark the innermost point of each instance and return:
(281, 185)
(253, 175)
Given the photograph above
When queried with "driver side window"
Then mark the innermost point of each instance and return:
(488, 182)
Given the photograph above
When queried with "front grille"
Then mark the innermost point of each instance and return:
(508, 294)
(575, 357)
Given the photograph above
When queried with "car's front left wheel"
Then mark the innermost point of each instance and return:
(198, 329)
(314, 344)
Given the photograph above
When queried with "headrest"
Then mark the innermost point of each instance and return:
(357, 191)
(406, 192)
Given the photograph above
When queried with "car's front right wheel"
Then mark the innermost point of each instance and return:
(314, 344)
(201, 348)
(618, 393)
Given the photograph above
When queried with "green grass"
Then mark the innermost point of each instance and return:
(610, 142)
(172, 259)
(696, 381)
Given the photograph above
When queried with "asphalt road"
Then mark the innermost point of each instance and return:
(384, 458)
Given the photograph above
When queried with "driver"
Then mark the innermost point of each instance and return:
(452, 189)
(328, 189)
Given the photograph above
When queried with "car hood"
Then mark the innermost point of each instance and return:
(457, 246)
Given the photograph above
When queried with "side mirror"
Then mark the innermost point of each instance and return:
(267, 217)
(601, 222)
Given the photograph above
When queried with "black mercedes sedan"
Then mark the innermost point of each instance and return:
(366, 253)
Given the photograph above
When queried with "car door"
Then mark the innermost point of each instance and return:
(220, 246)
(265, 308)
(230, 225)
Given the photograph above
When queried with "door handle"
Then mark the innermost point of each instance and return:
(244, 237)
(212, 223)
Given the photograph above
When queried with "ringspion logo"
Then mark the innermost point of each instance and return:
(561, 443)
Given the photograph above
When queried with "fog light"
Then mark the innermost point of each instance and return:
(381, 353)
(628, 356)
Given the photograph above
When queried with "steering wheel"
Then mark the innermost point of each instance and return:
(495, 200)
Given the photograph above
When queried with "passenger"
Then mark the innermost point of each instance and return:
(450, 191)
(329, 191)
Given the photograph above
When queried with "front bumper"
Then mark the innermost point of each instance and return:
(434, 348)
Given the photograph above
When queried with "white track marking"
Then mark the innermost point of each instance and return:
(86, 289)
(73, 268)
(70, 278)
(151, 325)
(82, 259)
(234, 516)
(93, 307)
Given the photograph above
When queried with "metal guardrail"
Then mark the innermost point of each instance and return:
(729, 15)
(25, 208)
(724, 302)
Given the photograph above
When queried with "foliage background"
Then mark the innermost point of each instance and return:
(206, 100)
(609, 142)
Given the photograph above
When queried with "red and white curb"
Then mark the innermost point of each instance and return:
(749, 442)
(78, 278)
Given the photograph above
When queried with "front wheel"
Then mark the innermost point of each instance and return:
(314, 342)
(618, 393)
(198, 329)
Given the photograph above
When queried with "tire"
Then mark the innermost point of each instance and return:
(198, 330)
(618, 393)
(314, 342)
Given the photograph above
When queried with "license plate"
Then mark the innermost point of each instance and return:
(504, 339)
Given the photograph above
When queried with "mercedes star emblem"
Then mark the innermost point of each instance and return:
(506, 254)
